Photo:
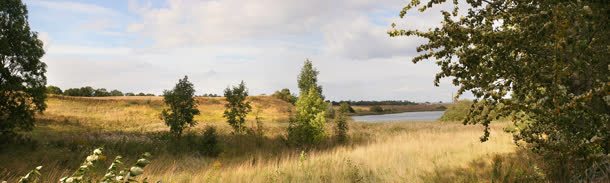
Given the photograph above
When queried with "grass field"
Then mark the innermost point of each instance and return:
(381, 152)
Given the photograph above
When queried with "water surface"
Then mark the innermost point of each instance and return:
(405, 116)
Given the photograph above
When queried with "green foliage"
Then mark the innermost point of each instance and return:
(32, 176)
(130, 94)
(285, 95)
(341, 125)
(116, 93)
(54, 90)
(307, 127)
(309, 78)
(209, 143)
(86, 91)
(345, 107)
(80, 175)
(237, 107)
(22, 75)
(457, 111)
(550, 56)
(182, 107)
(101, 92)
(376, 108)
(113, 174)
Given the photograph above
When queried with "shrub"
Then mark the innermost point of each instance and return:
(307, 127)
(376, 108)
(457, 111)
(285, 95)
(209, 143)
(346, 107)
(341, 126)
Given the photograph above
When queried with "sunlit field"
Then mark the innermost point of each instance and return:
(382, 152)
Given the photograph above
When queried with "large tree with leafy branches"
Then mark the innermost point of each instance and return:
(544, 64)
(22, 76)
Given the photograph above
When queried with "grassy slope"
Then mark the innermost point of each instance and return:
(142, 113)
(387, 152)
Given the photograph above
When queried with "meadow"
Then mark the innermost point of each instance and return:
(72, 127)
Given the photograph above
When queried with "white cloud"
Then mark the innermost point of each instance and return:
(208, 22)
(219, 43)
(87, 50)
(75, 7)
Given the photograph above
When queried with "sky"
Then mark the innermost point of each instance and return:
(147, 45)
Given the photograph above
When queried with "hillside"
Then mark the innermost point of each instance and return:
(141, 113)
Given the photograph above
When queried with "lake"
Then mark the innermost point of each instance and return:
(405, 116)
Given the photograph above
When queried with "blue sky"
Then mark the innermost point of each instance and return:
(146, 46)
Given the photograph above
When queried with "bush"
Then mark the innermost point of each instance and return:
(285, 95)
(341, 126)
(377, 109)
(307, 127)
(457, 111)
(346, 107)
(209, 143)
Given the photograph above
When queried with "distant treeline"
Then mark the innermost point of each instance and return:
(89, 91)
(210, 95)
(383, 102)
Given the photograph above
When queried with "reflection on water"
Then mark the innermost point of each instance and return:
(405, 116)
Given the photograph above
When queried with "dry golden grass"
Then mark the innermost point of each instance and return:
(401, 152)
(382, 152)
(141, 113)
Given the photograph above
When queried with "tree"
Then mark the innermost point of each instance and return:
(182, 107)
(86, 91)
(54, 90)
(101, 92)
(542, 63)
(285, 95)
(116, 93)
(237, 107)
(309, 78)
(130, 94)
(72, 92)
(341, 126)
(22, 76)
(307, 126)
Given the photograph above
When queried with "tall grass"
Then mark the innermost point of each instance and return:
(381, 152)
